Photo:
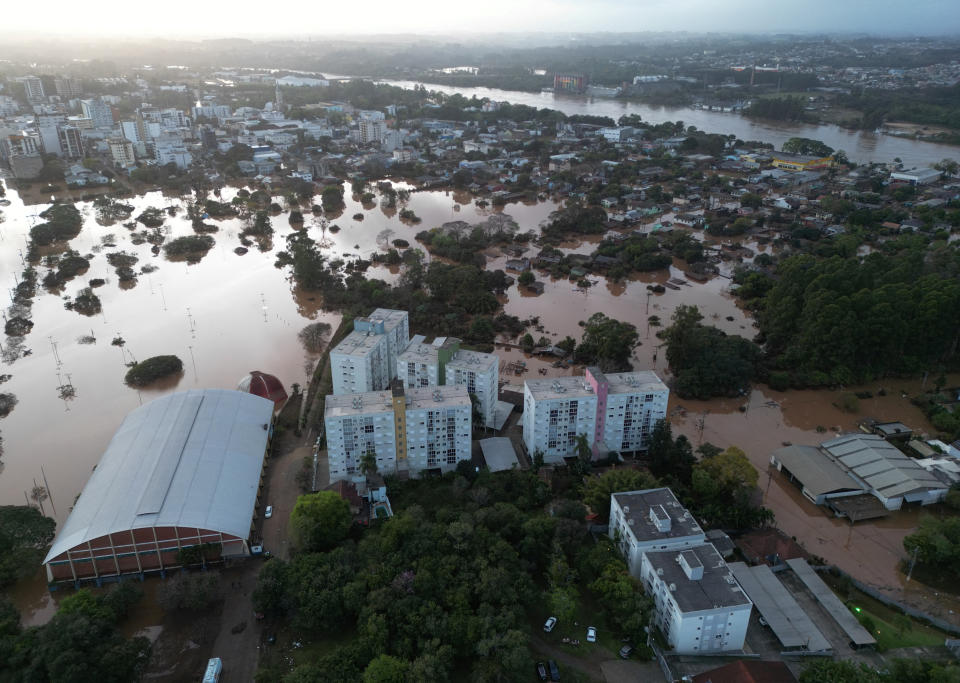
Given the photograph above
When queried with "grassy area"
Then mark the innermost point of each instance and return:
(884, 619)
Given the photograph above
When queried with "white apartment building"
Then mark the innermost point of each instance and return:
(372, 131)
(8, 106)
(33, 87)
(405, 429)
(635, 401)
(615, 411)
(480, 374)
(170, 148)
(422, 364)
(366, 359)
(652, 519)
(97, 111)
(699, 606)
(121, 150)
(71, 142)
(68, 88)
(555, 411)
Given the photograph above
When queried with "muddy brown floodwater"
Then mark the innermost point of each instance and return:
(229, 314)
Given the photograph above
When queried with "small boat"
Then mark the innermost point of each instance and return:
(4, 202)
(670, 285)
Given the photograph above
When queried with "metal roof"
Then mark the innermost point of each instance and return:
(831, 603)
(880, 464)
(816, 471)
(789, 622)
(190, 459)
(499, 453)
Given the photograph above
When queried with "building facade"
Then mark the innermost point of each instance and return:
(616, 412)
(480, 374)
(71, 142)
(699, 606)
(410, 430)
(97, 111)
(651, 519)
(372, 130)
(366, 359)
(121, 150)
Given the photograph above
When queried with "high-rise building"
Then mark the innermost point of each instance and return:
(372, 130)
(121, 150)
(71, 142)
(615, 412)
(403, 429)
(570, 82)
(48, 129)
(68, 88)
(97, 111)
(34, 88)
(366, 359)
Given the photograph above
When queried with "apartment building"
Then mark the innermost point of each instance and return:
(97, 111)
(33, 87)
(616, 412)
(121, 150)
(404, 429)
(443, 362)
(71, 142)
(699, 606)
(366, 359)
(68, 88)
(652, 519)
(372, 131)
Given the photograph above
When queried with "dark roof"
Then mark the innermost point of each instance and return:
(264, 385)
(747, 671)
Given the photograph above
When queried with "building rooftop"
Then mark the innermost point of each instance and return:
(717, 587)
(421, 351)
(559, 387)
(189, 459)
(433, 397)
(358, 343)
(366, 403)
(473, 360)
(880, 464)
(818, 473)
(634, 382)
(391, 318)
(637, 505)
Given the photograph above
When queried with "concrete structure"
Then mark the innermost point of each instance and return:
(570, 82)
(34, 88)
(182, 471)
(97, 111)
(372, 130)
(405, 430)
(423, 364)
(169, 148)
(499, 454)
(71, 142)
(699, 607)
(366, 359)
(858, 635)
(652, 519)
(480, 373)
(68, 88)
(820, 478)
(616, 412)
(121, 150)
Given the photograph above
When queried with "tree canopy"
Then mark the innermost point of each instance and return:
(319, 520)
(607, 342)
(25, 534)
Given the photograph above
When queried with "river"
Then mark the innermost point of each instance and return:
(860, 146)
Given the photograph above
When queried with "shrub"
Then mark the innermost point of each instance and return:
(150, 370)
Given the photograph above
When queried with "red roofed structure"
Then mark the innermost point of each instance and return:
(266, 386)
(748, 671)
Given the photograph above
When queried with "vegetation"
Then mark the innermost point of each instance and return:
(189, 245)
(150, 370)
(777, 108)
(446, 589)
(319, 521)
(575, 219)
(706, 361)
(63, 222)
(86, 302)
(807, 146)
(189, 591)
(80, 643)
(25, 534)
(332, 197)
(936, 544)
(607, 343)
(897, 671)
(151, 217)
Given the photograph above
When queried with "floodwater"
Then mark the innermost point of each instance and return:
(229, 314)
(860, 146)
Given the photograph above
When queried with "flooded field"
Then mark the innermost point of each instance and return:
(229, 314)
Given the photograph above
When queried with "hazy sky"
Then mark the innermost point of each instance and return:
(297, 17)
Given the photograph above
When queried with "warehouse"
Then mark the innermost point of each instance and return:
(180, 477)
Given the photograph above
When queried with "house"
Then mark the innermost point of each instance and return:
(517, 265)
(799, 162)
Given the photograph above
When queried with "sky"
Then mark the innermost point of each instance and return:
(250, 18)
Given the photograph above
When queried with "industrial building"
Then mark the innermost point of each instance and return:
(406, 430)
(652, 519)
(366, 359)
(615, 411)
(182, 472)
(856, 464)
(443, 362)
(699, 607)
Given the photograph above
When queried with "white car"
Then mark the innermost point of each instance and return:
(591, 634)
(551, 622)
(268, 513)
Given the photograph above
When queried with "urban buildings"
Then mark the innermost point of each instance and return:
(71, 142)
(372, 130)
(699, 606)
(68, 88)
(403, 429)
(34, 88)
(570, 82)
(616, 412)
(442, 362)
(652, 519)
(121, 150)
(97, 111)
(366, 359)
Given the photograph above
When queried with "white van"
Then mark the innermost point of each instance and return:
(214, 667)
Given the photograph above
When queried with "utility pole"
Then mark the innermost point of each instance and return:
(913, 562)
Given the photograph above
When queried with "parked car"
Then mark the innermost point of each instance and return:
(554, 671)
(626, 651)
(591, 634)
(550, 623)
(763, 622)
(268, 513)
(541, 671)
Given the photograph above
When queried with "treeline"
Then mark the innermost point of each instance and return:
(777, 108)
(937, 106)
(446, 589)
